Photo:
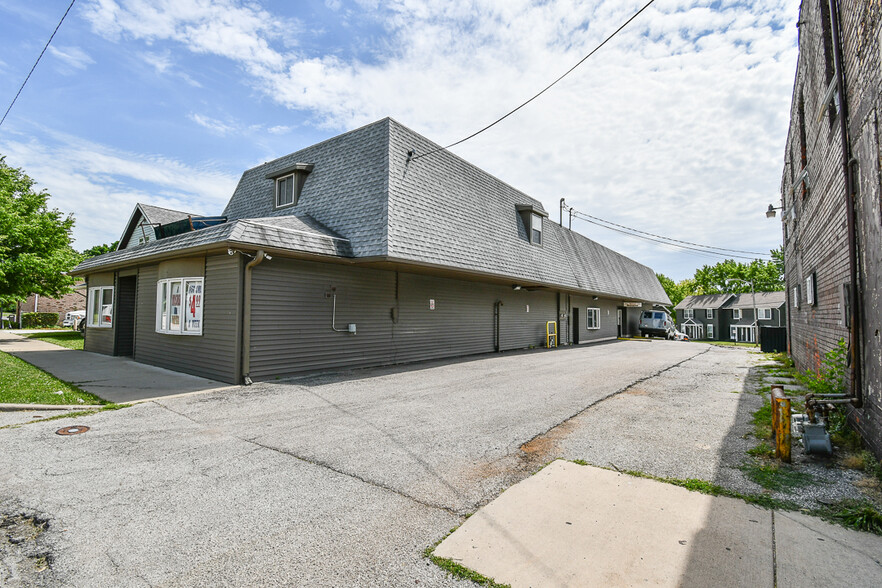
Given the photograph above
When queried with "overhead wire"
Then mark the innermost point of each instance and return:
(52, 36)
(687, 248)
(548, 87)
(669, 238)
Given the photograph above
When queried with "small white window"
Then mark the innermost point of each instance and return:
(688, 313)
(592, 318)
(179, 303)
(285, 191)
(100, 307)
(810, 290)
(733, 332)
(710, 313)
(536, 229)
(710, 331)
(736, 314)
(764, 314)
(795, 296)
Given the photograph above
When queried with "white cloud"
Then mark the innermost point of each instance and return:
(101, 185)
(72, 56)
(212, 124)
(676, 127)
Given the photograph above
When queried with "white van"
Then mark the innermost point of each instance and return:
(657, 323)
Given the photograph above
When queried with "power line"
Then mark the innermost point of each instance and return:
(646, 238)
(36, 62)
(548, 87)
(669, 238)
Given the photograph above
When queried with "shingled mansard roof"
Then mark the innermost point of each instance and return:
(366, 200)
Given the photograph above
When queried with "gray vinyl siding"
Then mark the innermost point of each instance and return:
(608, 325)
(291, 317)
(216, 353)
(99, 339)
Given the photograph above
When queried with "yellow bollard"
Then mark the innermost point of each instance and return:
(781, 423)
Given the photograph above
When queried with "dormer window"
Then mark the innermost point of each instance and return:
(289, 183)
(532, 215)
(285, 191)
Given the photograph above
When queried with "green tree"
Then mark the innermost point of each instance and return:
(712, 279)
(99, 250)
(35, 246)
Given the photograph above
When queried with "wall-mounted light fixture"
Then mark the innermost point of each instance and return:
(516, 287)
(594, 298)
(770, 213)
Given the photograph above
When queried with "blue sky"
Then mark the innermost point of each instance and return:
(677, 127)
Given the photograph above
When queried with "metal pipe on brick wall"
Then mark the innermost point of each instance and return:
(854, 298)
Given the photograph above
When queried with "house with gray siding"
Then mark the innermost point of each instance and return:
(701, 317)
(745, 314)
(361, 250)
(730, 317)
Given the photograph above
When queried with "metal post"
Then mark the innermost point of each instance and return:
(781, 423)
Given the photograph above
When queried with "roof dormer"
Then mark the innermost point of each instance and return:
(289, 184)
(532, 216)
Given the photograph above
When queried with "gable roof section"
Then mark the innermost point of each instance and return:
(704, 301)
(149, 214)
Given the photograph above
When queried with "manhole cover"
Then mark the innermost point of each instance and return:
(71, 430)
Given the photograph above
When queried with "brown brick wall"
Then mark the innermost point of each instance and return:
(76, 300)
(816, 240)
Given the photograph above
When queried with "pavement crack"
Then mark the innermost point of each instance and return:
(189, 418)
(536, 441)
(341, 472)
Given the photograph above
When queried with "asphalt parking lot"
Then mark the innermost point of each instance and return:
(345, 479)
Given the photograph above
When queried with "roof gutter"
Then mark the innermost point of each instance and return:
(246, 318)
(855, 355)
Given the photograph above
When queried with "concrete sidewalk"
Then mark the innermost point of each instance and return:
(572, 525)
(116, 379)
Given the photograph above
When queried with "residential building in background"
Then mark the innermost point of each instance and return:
(730, 317)
(832, 200)
(373, 247)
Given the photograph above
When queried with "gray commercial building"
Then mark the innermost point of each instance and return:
(370, 248)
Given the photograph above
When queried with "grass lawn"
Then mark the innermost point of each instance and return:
(22, 383)
(729, 344)
(69, 339)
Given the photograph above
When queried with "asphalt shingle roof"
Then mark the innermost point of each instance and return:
(704, 301)
(438, 210)
(163, 216)
(763, 300)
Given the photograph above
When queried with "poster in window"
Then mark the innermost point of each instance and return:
(175, 306)
(193, 310)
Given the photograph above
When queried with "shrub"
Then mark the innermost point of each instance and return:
(38, 320)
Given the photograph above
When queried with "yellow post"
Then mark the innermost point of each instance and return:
(551, 334)
(781, 423)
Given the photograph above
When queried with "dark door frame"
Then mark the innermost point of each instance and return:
(575, 325)
(124, 316)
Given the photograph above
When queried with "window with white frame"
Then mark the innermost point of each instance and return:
(795, 296)
(733, 332)
(736, 314)
(100, 307)
(592, 318)
(285, 191)
(709, 313)
(764, 314)
(710, 331)
(179, 304)
(810, 290)
(688, 313)
(536, 228)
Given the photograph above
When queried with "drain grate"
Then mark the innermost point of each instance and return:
(71, 430)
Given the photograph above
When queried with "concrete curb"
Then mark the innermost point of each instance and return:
(45, 407)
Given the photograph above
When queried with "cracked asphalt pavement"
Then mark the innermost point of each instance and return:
(344, 479)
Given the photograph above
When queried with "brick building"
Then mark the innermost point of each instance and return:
(831, 191)
(75, 300)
